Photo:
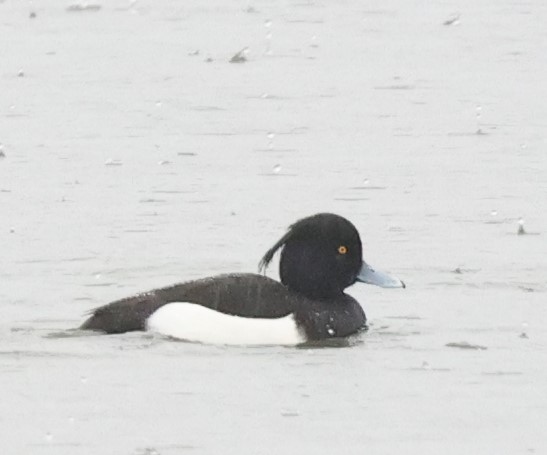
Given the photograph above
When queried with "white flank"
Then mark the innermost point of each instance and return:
(192, 322)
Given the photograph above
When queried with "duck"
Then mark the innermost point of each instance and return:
(320, 256)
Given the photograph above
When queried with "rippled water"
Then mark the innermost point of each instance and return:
(135, 155)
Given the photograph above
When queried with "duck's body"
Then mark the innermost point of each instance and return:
(320, 257)
(243, 295)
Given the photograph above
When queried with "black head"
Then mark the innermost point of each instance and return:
(321, 256)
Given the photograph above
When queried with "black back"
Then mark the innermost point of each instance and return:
(247, 295)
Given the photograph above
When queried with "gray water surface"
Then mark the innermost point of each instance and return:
(134, 155)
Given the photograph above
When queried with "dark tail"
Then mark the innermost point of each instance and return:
(124, 315)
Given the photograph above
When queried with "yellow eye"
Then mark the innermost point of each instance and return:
(342, 249)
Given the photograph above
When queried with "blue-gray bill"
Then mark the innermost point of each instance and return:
(373, 276)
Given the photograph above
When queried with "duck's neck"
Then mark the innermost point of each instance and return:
(317, 293)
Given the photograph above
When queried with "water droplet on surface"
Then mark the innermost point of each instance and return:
(112, 162)
(83, 7)
(268, 25)
(314, 41)
(20, 73)
(494, 212)
(83, 379)
(264, 96)
(158, 103)
(49, 437)
(277, 168)
(241, 56)
(521, 230)
(271, 137)
(454, 20)
(147, 451)
(478, 110)
(366, 182)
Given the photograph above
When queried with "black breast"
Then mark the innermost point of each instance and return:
(339, 317)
